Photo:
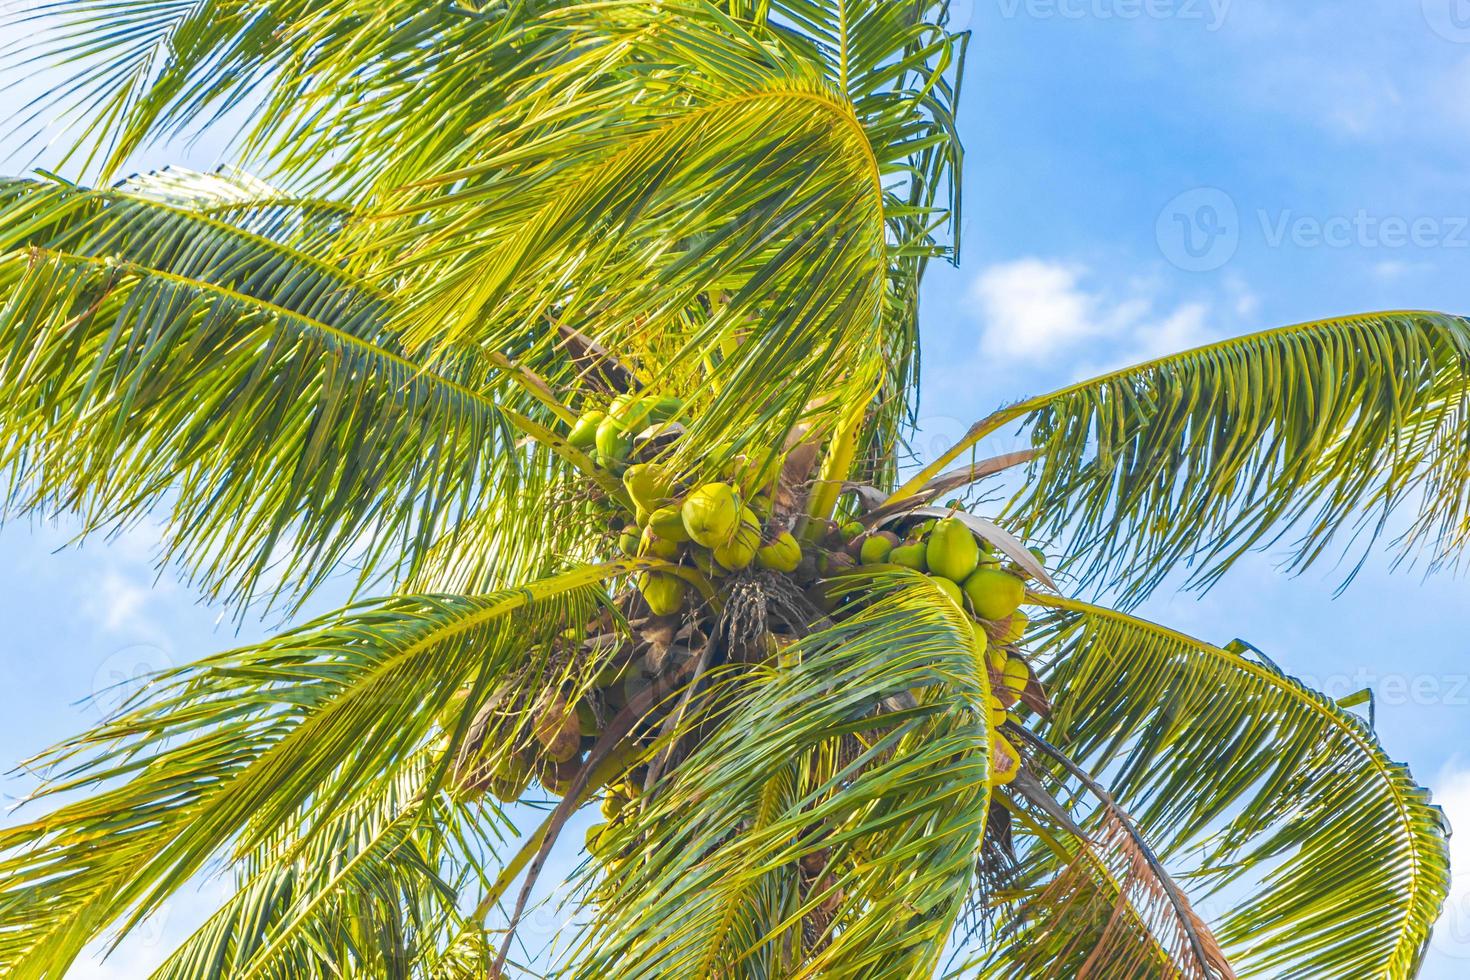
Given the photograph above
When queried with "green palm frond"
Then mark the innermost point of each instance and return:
(230, 754)
(1277, 807)
(481, 223)
(139, 70)
(851, 783)
(373, 893)
(268, 404)
(654, 165)
(1320, 431)
(624, 216)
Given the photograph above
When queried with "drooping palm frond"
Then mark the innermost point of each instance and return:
(244, 749)
(718, 121)
(374, 893)
(165, 357)
(485, 219)
(827, 823)
(751, 198)
(1318, 856)
(1319, 432)
(1092, 906)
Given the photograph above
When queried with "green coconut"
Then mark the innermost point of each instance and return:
(648, 484)
(587, 719)
(594, 839)
(668, 524)
(834, 563)
(705, 562)
(877, 547)
(994, 593)
(621, 407)
(744, 544)
(982, 639)
(584, 433)
(711, 514)
(949, 589)
(1017, 674)
(995, 654)
(511, 780)
(557, 729)
(664, 593)
(781, 555)
(613, 443)
(612, 674)
(1005, 761)
(651, 544)
(1016, 627)
(952, 551)
(556, 775)
(628, 542)
(910, 556)
(665, 409)
(614, 803)
(1014, 678)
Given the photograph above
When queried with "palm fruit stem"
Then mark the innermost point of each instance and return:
(836, 467)
(535, 386)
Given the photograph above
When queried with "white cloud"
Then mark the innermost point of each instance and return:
(1452, 793)
(124, 583)
(118, 600)
(1035, 310)
(1031, 307)
(1392, 270)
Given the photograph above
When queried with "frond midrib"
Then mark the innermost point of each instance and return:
(1283, 685)
(310, 323)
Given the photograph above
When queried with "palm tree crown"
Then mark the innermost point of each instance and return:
(586, 335)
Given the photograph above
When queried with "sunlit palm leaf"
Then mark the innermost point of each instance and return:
(1319, 432)
(243, 748)
(899, 817)
(245, 367)
(1312, 853)
(366, 895)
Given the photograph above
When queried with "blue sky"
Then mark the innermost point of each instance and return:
(1142, 176)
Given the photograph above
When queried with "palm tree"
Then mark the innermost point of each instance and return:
(535, 291)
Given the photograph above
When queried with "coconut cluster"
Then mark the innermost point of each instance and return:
(714, 531)
(967, 569)
(709, 527)
(736, 533)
